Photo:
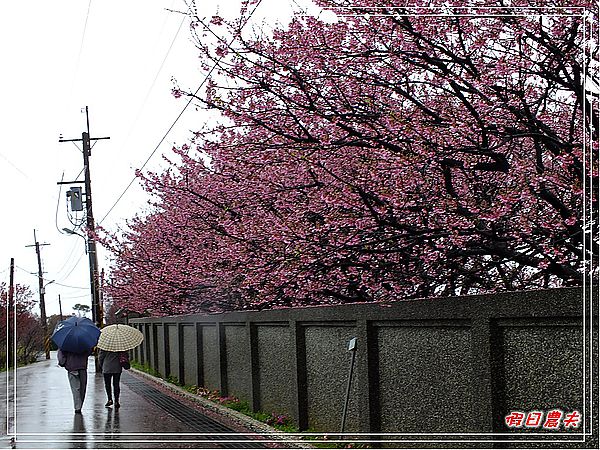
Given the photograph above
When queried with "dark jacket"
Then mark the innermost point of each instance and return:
(73, 361)
(109, 362)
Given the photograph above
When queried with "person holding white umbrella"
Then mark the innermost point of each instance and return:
(114, 343)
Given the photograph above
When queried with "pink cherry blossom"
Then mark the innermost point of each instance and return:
(374, 159)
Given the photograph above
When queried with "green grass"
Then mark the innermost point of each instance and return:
(145, 368)
(173, 380)
(278, 421)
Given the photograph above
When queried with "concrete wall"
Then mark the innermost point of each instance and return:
(433, 365)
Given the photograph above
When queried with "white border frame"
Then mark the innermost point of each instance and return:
(588, 370)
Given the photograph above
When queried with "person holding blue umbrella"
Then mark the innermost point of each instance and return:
(75, 339)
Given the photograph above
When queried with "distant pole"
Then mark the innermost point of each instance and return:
(90, 224)
(42, 293)
(9, 311)
(60, 307)
(11, 288)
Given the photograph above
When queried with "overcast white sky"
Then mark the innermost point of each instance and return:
(118, 58)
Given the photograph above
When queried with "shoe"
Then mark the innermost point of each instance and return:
(117, 405)
(77, 411)
(109, 403)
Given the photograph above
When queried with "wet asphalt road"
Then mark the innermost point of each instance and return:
(147, 418)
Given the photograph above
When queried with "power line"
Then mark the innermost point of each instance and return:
(68, 259)
(176, 120)
(14, 166)
(62, 178)
(29, 272)
(46, 279)
(75, 296)
(87, 15)
(139, 114)
(141, 108)
(72, 287)
(33, 274)
(74, 267)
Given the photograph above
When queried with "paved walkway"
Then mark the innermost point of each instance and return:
(149, 417)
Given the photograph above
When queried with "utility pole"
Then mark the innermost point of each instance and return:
(42, 293)
(60, 308)
(102, 293)
(91, 240)
(9, 311)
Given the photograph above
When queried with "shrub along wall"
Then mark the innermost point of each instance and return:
(436, 365)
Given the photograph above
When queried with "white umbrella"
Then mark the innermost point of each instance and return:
(119, 338)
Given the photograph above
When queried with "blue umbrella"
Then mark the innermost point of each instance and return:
(76, 334)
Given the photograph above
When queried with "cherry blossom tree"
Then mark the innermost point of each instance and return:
(29, 334)
(396, 152)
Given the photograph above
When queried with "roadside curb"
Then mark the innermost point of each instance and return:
(235, 416)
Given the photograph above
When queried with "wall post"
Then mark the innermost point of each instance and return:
(363, 378)
(147, 345)
(180, 355)
(483, 397)
(222, 352)
(154, 329)
(142, 348)
(298, 355)
(166, 349)
(199, 356)
(135, 353)
(252, 341)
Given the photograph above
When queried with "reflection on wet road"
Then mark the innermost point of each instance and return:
(148, 418)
